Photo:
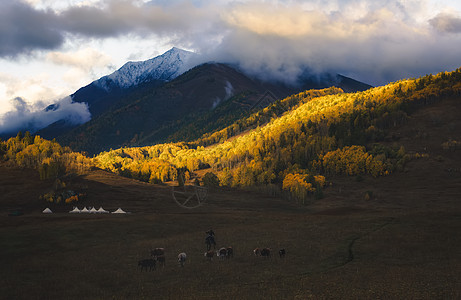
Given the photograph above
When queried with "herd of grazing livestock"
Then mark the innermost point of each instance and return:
(158, 256)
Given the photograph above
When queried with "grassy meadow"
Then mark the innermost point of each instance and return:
(339, 247)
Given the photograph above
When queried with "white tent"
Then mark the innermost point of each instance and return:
(84, 210)
(75, 210)
(102, 211)
(93, 210)
(47, 211)
(119, 211)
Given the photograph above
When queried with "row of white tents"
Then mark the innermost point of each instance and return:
(89, 210)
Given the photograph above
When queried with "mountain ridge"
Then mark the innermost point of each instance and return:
(164, 67)
(210, 95)
(105, 92)
(201, 98)
(101, 94)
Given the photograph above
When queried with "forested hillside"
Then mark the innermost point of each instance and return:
(48, 157)
(296, 144)
(204, 99)
(333, 134)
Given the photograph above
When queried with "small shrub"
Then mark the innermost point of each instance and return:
(451, 145)
(72, 199)
(210, 180)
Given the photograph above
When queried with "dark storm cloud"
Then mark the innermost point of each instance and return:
(446, 23)
(23, 29)
(114, 19)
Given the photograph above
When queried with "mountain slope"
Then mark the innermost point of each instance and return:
(208, 97)
(130, 79)
(106, 91)
(155, 114)
(323, 137)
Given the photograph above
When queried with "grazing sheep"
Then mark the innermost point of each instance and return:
(209, 255)
(282, 253)
(182, 258)
(147, 263)
(257, 251)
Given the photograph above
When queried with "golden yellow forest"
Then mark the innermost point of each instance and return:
(294, 145)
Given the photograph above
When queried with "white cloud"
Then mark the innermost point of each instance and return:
(35, 88)
(59, 5)
(85, 58)
(27, 116)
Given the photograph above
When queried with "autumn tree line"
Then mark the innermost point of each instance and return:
(263, 116)
(49, 158)
(298, 141)
(295, 144)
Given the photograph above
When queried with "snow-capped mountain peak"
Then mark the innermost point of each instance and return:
(164, 67)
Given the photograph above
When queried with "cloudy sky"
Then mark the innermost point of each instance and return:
(50, 48)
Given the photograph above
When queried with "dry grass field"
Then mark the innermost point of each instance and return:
(403, 243)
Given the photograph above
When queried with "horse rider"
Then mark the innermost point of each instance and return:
(210, 239)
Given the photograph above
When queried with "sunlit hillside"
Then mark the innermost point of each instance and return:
(296, 144)
(314, 139)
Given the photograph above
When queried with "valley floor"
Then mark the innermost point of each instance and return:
(403, 243)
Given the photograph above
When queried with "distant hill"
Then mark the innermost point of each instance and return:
(158, 111)
(206, 98)
(138, 81)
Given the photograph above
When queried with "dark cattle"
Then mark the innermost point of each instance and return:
(266, 252)
(209, 255)
(157, 252)
(147, 263)
(222, 253)
(282, 253)
(159, 255)
(161, 260)
(230, 252)
(182, 258)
